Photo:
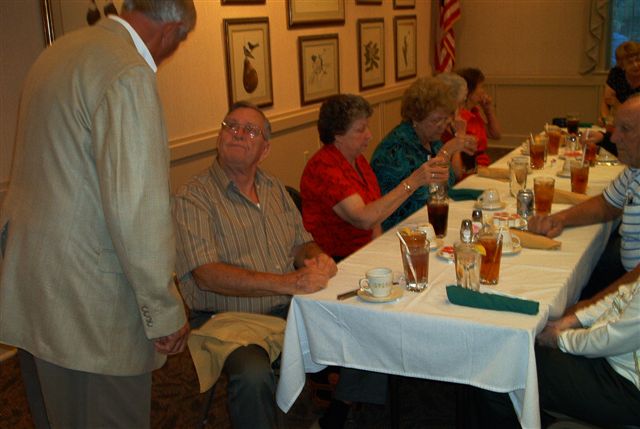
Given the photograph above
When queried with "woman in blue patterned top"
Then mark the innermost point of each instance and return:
(427, 109)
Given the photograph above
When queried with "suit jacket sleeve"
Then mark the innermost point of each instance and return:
(132, 161)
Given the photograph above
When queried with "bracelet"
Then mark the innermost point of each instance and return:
(407, 188)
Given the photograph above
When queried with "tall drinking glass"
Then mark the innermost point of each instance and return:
(543, 189)
(414, 248)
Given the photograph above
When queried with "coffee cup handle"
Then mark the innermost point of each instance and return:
(364, 285)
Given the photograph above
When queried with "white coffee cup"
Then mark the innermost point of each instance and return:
(509, 242)
(378, 282)
(489, 198)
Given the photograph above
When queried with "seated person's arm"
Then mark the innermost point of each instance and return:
(629, 277)
(593, 210)
(452, 149)
(367, 216)
(493, 127)
(230, 280)
(618, 336)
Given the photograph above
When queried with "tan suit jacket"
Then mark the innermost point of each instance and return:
(85, 231)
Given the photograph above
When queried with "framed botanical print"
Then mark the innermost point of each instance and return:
(405, 40)
(319, 62)
(371, 58)
(368, 1)
(232, 2)
(248, 55)
(62, 16)
(315, 12)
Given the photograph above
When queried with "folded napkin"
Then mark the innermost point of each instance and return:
(536, 241)
(470, 298)
(210, 344)
(494, 173)
(464, 194)
(566, 197)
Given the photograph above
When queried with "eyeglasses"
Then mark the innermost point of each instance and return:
(440, 121)
(250, 130)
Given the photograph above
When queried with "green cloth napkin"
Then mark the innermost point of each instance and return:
(464, 194)
(470, 298)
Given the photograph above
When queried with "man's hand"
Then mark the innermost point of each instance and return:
(550, 226)
(174, 343)
(323, 262)
(314, 276)
(549, 335)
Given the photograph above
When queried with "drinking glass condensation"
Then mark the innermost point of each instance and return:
(537, 152)
(490, 263)
(579, 176)
(415, 257)
(543, 188)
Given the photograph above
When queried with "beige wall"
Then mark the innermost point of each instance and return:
(193, 82)
(529, 50)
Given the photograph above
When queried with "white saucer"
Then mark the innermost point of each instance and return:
(435, 244)
(515, 249)
(562, 173)
(447, 256)
(396, 292)
(499, 206)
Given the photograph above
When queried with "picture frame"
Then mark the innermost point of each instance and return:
(404, 4)
(369, 2)
(319, 61)
(62, 16)
(313, 12)
(371, 54)
(233, 2)
(248, 60)
(405, 43)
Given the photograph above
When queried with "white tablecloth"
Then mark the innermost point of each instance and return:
(422, 334)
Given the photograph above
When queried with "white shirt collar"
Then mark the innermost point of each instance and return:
(137, 41)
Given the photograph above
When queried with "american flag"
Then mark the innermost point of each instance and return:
(445, 41)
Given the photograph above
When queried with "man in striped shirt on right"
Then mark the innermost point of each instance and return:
(621, 199)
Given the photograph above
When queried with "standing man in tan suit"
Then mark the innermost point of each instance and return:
(86, 239)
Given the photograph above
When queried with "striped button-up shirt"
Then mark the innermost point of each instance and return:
(215, 222)
(624, 193)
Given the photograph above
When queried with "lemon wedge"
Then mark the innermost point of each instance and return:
(480, 249)
(405, 231)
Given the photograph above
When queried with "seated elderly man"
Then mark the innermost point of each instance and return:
(242, 247)
(620, 200)
(587, 366)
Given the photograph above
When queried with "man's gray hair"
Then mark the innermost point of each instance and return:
(165, 11)
(247, 105)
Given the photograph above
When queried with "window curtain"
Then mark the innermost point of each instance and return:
(595, 37)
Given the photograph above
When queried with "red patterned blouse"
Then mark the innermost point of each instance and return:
(328, 179)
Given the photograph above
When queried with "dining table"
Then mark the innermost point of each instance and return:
(424, 335)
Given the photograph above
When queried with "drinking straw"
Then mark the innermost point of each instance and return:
(408, 256)
(498, 241)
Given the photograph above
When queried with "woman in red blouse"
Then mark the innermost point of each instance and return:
(479, 101)
(341, 203)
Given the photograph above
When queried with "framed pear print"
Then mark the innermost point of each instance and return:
(248, 55)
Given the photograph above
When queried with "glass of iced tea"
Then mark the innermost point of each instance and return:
(579, 176)
(414, 248)
(554, 135)
(543, 188)
(490, 263)
(438, 211)
(590, 153)
(573, 123)
(537, 152)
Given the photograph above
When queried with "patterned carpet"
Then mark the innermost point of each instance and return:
(176, 402)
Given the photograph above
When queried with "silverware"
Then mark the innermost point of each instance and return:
(348, 295)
